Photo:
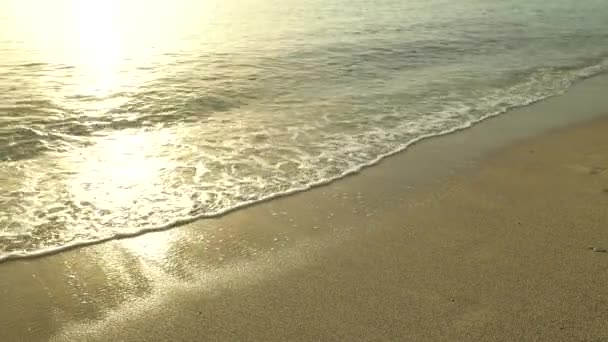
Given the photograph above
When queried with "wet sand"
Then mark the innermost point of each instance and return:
(483, 235)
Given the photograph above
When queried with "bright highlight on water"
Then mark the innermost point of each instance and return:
(122, 116)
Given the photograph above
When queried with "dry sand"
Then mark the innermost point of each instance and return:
(490, 243)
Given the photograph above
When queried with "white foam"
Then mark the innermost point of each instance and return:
(443, 122)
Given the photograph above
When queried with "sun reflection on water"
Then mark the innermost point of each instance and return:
(86, 59)
(154, 246)
(120, 169)
(99, 45)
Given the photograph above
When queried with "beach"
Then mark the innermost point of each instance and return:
(487, 234)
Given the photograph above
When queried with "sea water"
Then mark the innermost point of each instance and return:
(121, 116)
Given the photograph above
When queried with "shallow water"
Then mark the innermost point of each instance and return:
(121, 116)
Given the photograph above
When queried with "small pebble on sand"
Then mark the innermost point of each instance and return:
(598, 249)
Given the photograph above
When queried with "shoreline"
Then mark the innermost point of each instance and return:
(462, 237)
(41, 253)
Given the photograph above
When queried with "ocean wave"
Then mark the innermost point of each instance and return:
(451, 114)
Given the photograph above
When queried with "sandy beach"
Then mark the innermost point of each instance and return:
(482, 235)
